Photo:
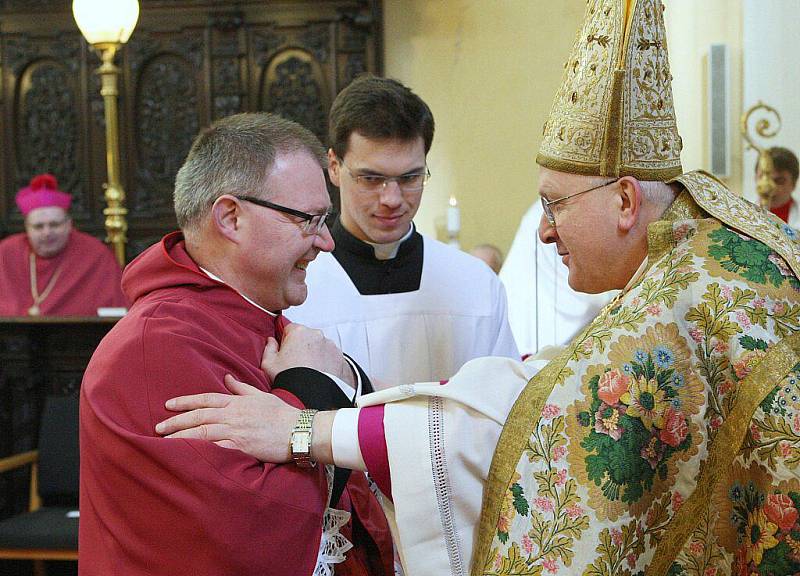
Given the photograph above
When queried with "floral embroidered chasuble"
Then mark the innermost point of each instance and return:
(666, 438)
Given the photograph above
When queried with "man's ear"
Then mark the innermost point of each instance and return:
(333, 167)
(226, 214)
(630, 196)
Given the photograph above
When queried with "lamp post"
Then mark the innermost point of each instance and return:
(107, 25)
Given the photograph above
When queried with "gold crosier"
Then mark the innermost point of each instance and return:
(765, 185)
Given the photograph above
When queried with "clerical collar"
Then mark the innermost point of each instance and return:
(399, 271)
(342, 235)
(220, 280)
(389, 251)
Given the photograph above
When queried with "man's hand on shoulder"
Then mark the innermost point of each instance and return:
(305, 347)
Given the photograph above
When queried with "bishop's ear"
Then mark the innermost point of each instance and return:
(226, 217)
(630, 196)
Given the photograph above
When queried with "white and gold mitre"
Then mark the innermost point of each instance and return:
(614, 114)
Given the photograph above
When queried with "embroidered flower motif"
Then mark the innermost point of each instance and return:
(780, 510)
(759, 303)
(720, 347)
(664, 357)
(550, 411)
(696, 334)
(606, 421)
(652, 452)
(677, 501)
(562, 477)
(559, 452)
(726, 386)
(616, 536)
(697, 548)
(631, 559)
(646, 402)
(640, 356)
(675, 428)
(779, 309)
(726, 292)
(796, 423)
(760, 536)
(574, 511)
(743, 320)
(780, 264)
(715, 423)
(527, 544)
(550, 565)
(785, 449)
(755, 432)
(710, 571)
(654, 309)
(611, 386)
(790, 232)
(544, 504)
(747, 362)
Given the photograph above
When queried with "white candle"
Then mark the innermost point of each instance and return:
(453, 217)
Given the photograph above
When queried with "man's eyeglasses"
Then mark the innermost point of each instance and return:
(412, 182)
(312, 223)
(546, 204)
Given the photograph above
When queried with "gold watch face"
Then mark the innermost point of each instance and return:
(301, 442)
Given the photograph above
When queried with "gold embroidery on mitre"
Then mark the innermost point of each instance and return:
(614, 113)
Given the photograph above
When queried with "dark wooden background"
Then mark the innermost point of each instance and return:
(188, 62)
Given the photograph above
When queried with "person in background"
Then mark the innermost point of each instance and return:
(785, 172)
(490, 254)
(52, 269)
(405, 306)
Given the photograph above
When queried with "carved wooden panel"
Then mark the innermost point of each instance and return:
(188, 62)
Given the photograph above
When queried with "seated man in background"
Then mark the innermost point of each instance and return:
(251, 202)
(405, 306)
(784, 175)
(52, 269)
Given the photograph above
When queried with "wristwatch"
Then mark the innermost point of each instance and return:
(300, 440)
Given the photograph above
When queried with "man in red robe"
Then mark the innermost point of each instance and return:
(52, 269)
(251, 202)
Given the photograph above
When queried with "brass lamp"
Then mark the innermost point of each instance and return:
(107, 25)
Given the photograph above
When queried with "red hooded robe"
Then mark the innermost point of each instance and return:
(152, 505)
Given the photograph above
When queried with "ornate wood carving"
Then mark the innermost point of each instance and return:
(294, 87)
(167, 120)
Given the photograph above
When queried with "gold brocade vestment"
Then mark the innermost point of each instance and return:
(666, 438)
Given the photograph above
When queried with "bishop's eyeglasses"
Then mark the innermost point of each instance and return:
(312, 223)
(546, 204)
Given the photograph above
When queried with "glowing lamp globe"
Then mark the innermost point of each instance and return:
(106, 21)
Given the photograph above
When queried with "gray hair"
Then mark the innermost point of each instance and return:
(235, 155)
(653, 191)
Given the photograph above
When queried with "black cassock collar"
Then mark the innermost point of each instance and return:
(371, 276)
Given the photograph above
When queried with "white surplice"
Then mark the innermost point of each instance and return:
(458, 313)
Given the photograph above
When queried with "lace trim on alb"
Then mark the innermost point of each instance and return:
(332, 545)
(441, 483)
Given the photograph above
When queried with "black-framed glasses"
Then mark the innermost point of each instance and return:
(312, 223)
(411, 182)
(546, 204)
